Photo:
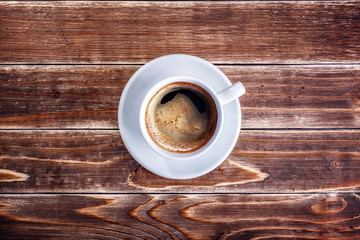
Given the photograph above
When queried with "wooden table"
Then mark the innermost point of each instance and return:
(66, 174)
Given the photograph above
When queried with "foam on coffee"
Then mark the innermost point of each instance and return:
(181, 117)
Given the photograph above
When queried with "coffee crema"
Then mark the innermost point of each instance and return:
(181, 117)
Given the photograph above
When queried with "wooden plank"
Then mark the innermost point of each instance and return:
(222, 32)
(60, 97)
(295, 216)
(97, 162)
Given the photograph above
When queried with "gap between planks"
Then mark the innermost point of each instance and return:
(173, 193)
(116, 129)
(215, 63)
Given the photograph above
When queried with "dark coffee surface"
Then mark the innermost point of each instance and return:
(181, 117)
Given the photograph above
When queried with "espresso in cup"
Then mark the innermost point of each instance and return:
(181, 117)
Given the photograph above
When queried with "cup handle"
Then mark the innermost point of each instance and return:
(231, 93)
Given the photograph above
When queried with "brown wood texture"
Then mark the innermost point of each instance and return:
(222, 32)
(60, 97)
(66, 174)
(309, 216)
(276, 161)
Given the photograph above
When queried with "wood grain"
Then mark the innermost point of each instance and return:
(60, 97)
(294, 216)
(274, 161)
(12, 176)
(222, 32)
(66, 174)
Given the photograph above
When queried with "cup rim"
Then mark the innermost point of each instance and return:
(157, 87)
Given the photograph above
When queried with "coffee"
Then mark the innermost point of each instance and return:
(181, 117)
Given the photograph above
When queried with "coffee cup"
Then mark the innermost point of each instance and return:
(181, 117)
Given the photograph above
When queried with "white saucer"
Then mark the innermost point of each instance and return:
(129, 109)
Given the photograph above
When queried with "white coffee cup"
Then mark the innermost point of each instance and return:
(221, 98)
(145, 83)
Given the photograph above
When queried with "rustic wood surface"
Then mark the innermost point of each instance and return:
(222, 32)
(59, 97)
(278, 161)
(66, 174)
(134, 216)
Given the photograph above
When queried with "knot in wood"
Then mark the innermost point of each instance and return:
(335, 164)
(55, 93)
(357, 98)
(329, 205)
